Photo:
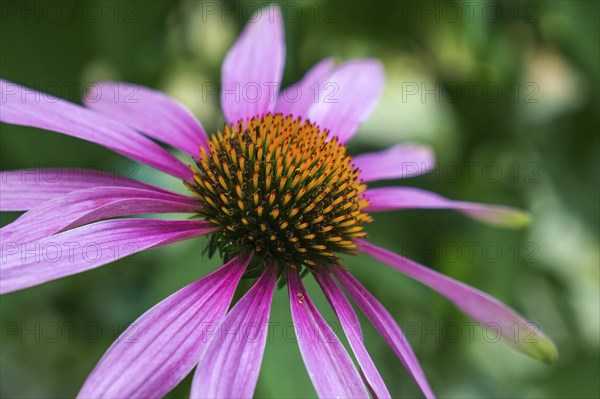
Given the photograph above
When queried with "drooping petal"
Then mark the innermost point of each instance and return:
(85, 206)
(161, 347)
(24, 189)
(329, 366)
(252, 69)
(398, 162)
(386, 325)
(356, 87)
(394, 198)
(149, 111)
(299, 97)
(23, 265)
(229, 367)
(491, 313)
(27, 107)
(351, 326)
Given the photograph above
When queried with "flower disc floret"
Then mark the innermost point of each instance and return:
(281, 188)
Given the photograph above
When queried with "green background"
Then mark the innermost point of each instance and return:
(525, 79)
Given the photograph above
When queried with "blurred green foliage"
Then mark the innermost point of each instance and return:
(445, 63)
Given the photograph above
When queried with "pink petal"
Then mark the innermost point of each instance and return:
(161, 347)
(398, 162)
(386, 325)
(394, 198)
(356, 89)
(230, 365)
(27, 107)
(299, 97)
(23, 265)
(253, 67)
(151, 112)
(351, 326)
(329, 366)
(21, 190)
(85, 206)
(509, 325)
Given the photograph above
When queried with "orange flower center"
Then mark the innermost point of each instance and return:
(281, 188)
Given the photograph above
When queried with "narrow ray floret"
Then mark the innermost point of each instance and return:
(280, 197)
(281, 188)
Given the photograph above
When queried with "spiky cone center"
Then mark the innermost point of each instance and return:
(282, 189)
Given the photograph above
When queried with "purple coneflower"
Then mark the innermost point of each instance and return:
(280, 198)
